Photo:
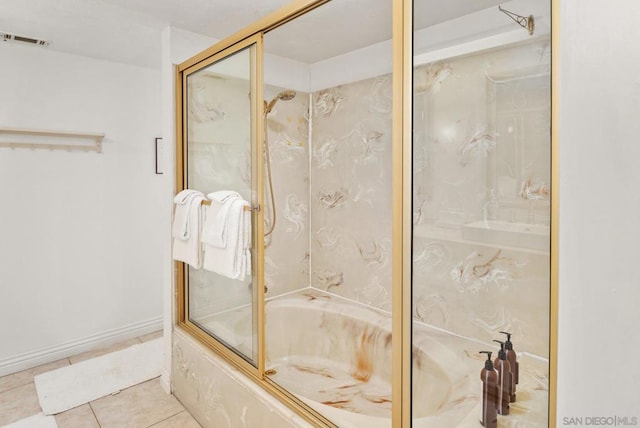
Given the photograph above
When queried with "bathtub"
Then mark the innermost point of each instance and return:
(335, 355)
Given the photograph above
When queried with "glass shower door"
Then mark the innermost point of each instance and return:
(481, 215)
(218, 131)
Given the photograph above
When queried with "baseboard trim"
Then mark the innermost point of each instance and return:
(165, 381)
(49, 354)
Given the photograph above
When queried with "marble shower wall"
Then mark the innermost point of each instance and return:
(350, 191)
(477, 290)
(481, 123)
(287, 248)
(219, 158)
(482, 128)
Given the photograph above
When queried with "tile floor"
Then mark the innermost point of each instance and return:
(141, 406)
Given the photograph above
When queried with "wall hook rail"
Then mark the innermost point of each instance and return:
(50, 140)
(526, 22)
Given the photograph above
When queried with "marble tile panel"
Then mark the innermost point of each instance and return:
(136, 407)
(26, 376)
(18, 403)
(181, 420)
(350, 191)
(218, 395)
(105, 350)
(81, 416)
(478, 291)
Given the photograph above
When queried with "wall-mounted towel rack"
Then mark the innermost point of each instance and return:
(245, 208)
(17, 138)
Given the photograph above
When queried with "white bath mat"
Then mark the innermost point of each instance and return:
(35, 421)
(80, 383)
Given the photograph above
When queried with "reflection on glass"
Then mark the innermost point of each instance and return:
(219, 158)
(327, 262)
(481, 180)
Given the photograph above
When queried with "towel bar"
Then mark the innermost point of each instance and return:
(256, 208)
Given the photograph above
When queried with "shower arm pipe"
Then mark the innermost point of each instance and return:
(526, 22)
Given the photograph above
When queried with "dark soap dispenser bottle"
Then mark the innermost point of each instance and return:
(489, 379)
(512, 357)
(504, 380)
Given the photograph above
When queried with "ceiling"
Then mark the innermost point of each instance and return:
(342, 26)
(126, 31)
(129, 31)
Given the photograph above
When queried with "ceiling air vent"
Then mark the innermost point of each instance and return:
(16, 38)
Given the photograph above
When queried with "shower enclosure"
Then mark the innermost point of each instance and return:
(398, 161)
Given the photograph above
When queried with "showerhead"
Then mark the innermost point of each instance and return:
(284, 96)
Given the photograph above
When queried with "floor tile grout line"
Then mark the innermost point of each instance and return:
(17, 386)
(94, 415)
(13, 411)
(156, 423)
(32, 379)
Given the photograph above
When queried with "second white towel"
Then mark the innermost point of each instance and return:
(215, 230)
(233, 257)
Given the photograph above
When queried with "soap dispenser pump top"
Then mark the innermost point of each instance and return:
(512, 357)
(504, 380)
(489, 378)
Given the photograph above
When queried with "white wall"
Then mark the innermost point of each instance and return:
(177, 46)
(81, 261)
(599, 282)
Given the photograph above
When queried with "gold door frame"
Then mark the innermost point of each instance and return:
(402, 224)
(555, 213)
(401, 196)
(255, 43)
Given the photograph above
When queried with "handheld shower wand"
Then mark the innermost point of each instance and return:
(284, 96)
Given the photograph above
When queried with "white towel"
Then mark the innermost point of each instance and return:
(234, 259)
(186, 227)
(223, 195)
(215, 230)
(181, 218)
